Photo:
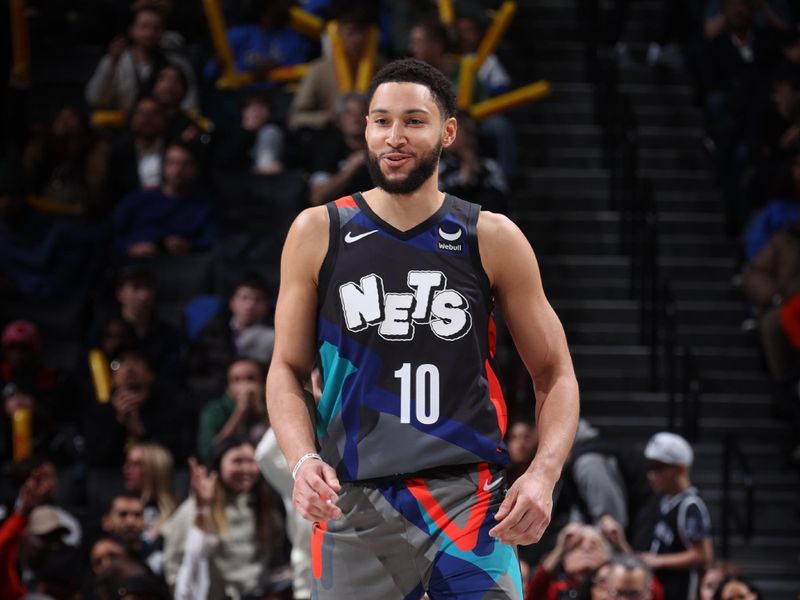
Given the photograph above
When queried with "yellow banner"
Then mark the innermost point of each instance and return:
(304, 22)
(529, 93)
(502, 19)
(22, 428)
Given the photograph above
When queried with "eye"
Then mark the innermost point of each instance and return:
(415, 122)
(381, 121)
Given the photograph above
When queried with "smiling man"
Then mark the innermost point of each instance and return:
(390, 291)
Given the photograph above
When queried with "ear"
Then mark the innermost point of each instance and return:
(449, 131)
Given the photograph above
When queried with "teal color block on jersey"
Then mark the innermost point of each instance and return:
(335, 370)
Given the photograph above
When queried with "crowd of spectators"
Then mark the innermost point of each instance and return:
(142, 211)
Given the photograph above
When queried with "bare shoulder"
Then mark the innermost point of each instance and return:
(503, 246)
(307, 241)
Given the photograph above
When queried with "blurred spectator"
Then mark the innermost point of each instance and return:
(265, 40)
(770, 280)
(681, 545)
(147, 472)
(141, 408)
(779, 213)
(315, 103)
(736, 587)
(734, 66)
(59, 576)
(492, 74)
(136, 295)
(767, 14)
(275, 470)
(223, 538)
(603, 478)
(136, 158)
(169, 91)
(628, 577)
(42, 424)
(240, 411)
(463, 173)
(40, 257)
(176, 218)
(128, 70)
(256, 144)
(521, 442)
(127, 579)
(430, 41)
(66, 163)
(339, 168)
(239, 331)
(123, 519)
(114, 333)
(33, 532)
(106, 550)
(713, 576)
(579, 551)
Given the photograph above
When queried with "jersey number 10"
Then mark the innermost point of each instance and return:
(426, 393)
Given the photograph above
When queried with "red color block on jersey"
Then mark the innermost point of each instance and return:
(346, 202)
(317, 537)
(467, 538)
(496, 396)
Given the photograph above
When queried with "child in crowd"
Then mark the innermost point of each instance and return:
(681, 546)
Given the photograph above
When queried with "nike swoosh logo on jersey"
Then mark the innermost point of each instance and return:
(488, 487)
(449, 237)
(350, 238)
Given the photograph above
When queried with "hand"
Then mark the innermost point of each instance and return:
(36, 489)
(650, 559)
(613, 532)
(354, 161)
(790, 137)
(117, 46)
(525, 513)
(127, 403)
(143, 250)
(177, 244)
(203, 484)
(246, 395)
(315, 491)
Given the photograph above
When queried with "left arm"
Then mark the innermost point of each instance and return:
(699, 556)
(539, 337)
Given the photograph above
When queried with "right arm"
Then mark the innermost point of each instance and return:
(292, 362)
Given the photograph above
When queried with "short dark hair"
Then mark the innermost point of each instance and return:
(250, 280)
(411, 70)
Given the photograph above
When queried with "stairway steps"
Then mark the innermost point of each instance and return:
(656, 404)
(711, 427)
(675, 116)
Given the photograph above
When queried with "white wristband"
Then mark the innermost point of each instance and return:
(303, 459)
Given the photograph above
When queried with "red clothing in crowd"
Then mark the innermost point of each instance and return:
(10, 536)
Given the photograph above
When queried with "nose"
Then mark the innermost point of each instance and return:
(397, 135)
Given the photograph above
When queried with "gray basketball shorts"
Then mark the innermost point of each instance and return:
(400, 538)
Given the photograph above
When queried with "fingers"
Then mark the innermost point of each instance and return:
(316, 492)
(522, 521)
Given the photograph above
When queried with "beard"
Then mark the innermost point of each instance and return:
(428, 163)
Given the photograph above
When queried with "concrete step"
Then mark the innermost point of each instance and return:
(611, 404)
(687, 201)
(665, 115)
(557, 269)
(560, 136)
(710, 427)
(692, 158)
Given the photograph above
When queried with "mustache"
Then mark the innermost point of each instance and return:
(388, 152)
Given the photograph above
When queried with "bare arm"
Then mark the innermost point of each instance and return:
(699, 556)
(293, 359)
(511, 265)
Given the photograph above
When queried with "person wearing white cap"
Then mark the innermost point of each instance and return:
(681, 546)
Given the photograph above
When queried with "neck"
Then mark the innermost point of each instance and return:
(137, 320)
(146, 143)
(407, 210)
(141, 55)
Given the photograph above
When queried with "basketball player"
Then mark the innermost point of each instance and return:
(400, 463)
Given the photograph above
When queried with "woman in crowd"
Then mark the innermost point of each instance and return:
(147, 471)
(221, 541)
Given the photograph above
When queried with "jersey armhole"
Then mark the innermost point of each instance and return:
(475, 254)
(326, 270)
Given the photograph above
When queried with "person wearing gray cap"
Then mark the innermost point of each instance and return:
(681, 546)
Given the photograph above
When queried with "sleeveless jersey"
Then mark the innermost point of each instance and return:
(404, 345)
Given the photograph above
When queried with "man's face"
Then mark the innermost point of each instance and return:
(787, 100)
(244, 377)
(351, 120)
(146, 30)
(405, 136)
(469, 35)
(588, 553)
(248, 306)
(125, 519)
(148, 119)
(354, 38)
(423, 47)
(136, 298)
(104, 553)
(627, 584)
(131, 372)
(180, 169)
(739, 15)
(661, 476)
(169, 88)
(521, 443)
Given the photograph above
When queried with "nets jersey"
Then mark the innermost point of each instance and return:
(404, 345)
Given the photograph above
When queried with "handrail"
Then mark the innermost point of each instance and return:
(734, 456)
